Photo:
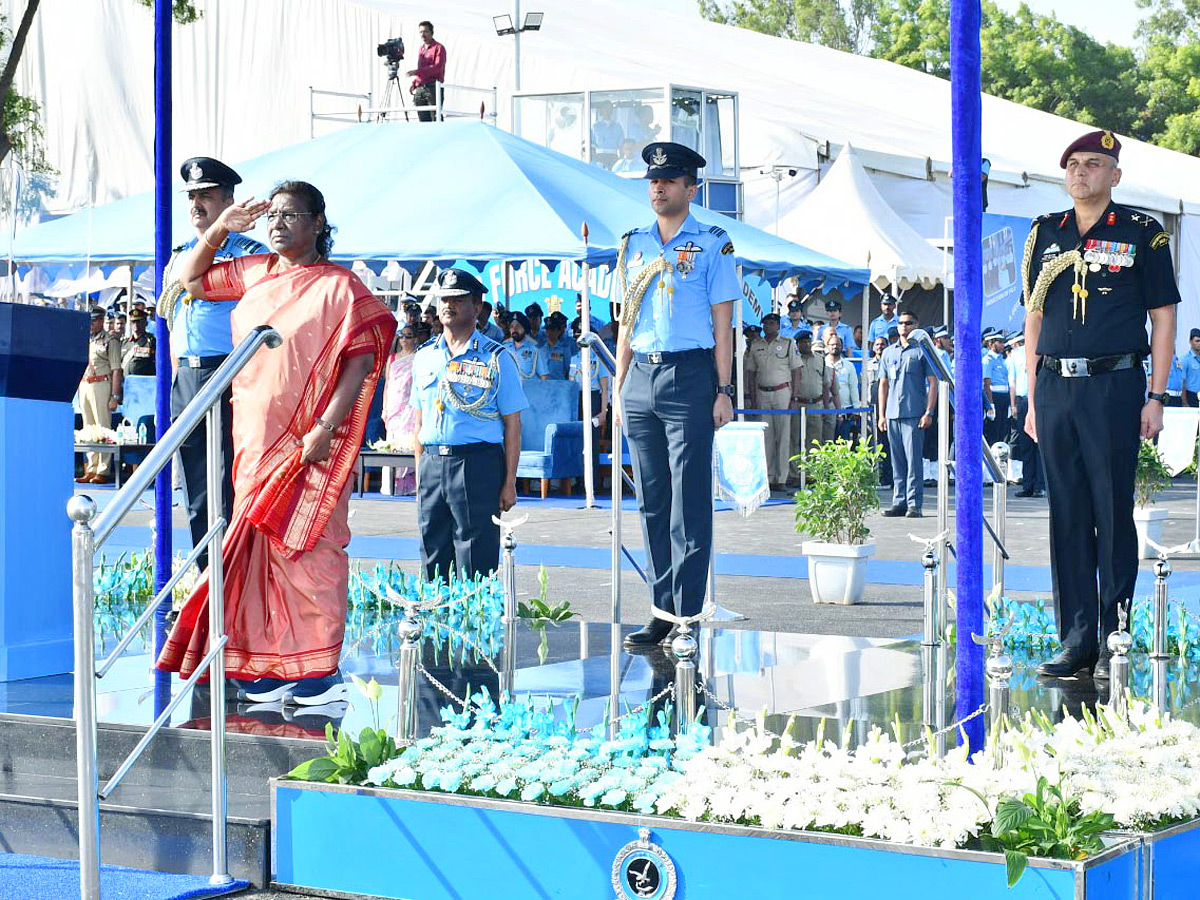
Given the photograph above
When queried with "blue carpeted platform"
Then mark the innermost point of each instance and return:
(39, 878)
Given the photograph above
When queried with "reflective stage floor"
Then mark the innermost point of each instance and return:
(850, 683)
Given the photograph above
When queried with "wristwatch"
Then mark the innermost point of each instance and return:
(726, 389)
(1161, 398)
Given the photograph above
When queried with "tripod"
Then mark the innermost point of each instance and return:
(392, 88)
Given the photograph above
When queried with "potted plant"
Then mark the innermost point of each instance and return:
(1151, 477)
(832, 511)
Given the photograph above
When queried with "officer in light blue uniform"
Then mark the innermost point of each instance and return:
(524, 349)
(834, 309)
(469, 399)
(939, 335)
(795, 319)
(880, 324)
(201, 338)
(1190, 365)
(557, 349)
(995, 387)
(674, 355)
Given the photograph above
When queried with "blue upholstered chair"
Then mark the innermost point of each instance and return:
(551, 433)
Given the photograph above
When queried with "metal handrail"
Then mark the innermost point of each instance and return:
(84, 541)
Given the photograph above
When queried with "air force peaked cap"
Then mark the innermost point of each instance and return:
(459, 283)
(1093, 142)
(202, 172)
(667, 160)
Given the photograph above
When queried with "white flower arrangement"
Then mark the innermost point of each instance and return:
(95, 434)
(1144, 770)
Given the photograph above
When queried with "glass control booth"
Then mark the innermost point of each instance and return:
(609, 128)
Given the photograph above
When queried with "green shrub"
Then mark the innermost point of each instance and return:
(843, 486)
(1152, 475)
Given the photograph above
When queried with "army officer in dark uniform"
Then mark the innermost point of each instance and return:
(674, 355)
(137, 353)
(468, 397)
(1092, 274)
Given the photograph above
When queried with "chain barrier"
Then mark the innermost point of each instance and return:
(717, 700)
(914, 744)
(440, 687)
(641, 707)
(470, 643)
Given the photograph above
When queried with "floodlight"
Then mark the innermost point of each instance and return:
(533, 21)
(504, 25)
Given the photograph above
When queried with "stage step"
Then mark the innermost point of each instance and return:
(159, 817)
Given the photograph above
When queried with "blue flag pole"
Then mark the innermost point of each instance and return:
(967, 163)
(162, 356)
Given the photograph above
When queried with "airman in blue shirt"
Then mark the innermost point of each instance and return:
(469, 399)
(200, 337)
(833, 308)
(995, 387)
(525, 351)
(795, 318)
(880, 324)
(557, 349)
(678, 280)
(1190, 364)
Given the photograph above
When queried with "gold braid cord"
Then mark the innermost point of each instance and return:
(1072, 259)
(1027, 260)
(632, 294)
(167, 301)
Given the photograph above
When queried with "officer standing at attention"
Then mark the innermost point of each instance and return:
(557, 349)
(468, 398)
(674, 358)
(1190, 364)
(1091, 276)
(833, 309)
(881, 323)
(1025, 450)
(995, 388)
(137, 353)
(524, 349)
(770, 363)
(201, 337)
(100, 392)
(795, 318)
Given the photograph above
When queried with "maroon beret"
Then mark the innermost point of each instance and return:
(1093, 142)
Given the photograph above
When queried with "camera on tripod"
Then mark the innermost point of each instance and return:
(392, 50)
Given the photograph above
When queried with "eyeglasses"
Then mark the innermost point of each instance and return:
(908, 322)
(289, 218)
(407, 334)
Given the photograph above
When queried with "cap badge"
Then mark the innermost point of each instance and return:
(195, 173)
(450, 279)
(1106, 140)
(659, 158)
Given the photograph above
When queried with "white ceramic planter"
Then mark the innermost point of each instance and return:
(837, 573)
(1149, 524)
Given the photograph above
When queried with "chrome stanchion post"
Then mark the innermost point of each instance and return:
(1119, 644)
(216, 628)
(509, 567)
(1159, 683)
(932, 632)
(1001, 452)
(943, 489)
(409, 632)
(82, 510)
(1162, 571)
(930, 643)
(683, 646)
(999, 668)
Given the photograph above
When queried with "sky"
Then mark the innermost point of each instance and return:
(1106, 20)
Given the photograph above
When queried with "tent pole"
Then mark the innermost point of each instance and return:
(967, 156)
(585, 378)
(863, 390)
(162, 357)
(739, 348)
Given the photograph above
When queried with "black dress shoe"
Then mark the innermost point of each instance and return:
(914, 513)
(1023, 493)
(652, 634)
(1071, 661)
(1038, 494)
(895, 511)
(1101, 671)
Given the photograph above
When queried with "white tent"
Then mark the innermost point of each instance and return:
(847, 212)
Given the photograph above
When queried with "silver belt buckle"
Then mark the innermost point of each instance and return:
(1074, 368)
(443, 449)
(193, 362)
(655, 357)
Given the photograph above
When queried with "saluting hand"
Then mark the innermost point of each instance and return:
(242, 216)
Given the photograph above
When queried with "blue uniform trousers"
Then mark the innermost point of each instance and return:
(668, 420)
(906, 443)
(193, 452)
(457, 495)
(1088, 429)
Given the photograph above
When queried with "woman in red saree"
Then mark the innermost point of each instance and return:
(299, 412)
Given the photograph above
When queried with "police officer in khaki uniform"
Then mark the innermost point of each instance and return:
(100, 393)
(809, 390)
(770, 362)
(137, 353)
(1093, 275)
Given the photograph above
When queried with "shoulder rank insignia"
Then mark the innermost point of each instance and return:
(629, 233)
(717, 230)
(728, 248)
(1160, 240)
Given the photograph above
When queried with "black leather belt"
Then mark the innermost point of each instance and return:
(460, 449)
(201, 362)
(672, 356)
(1082, 367)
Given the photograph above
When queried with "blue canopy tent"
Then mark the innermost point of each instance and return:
(441, 192)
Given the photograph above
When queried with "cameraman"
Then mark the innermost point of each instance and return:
(429, 73)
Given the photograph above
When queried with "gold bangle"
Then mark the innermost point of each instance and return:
(204, 237)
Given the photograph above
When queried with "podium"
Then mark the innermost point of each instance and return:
(43, 353)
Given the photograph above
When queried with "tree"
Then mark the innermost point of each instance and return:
(825, 22)
(22, 131)
(1170, 37)
(184, 12)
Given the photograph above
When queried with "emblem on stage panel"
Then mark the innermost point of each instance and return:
(643, 871)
